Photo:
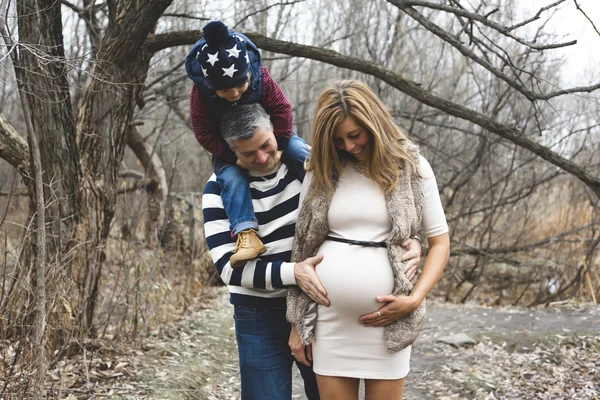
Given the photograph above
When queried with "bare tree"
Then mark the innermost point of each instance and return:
(476, 86)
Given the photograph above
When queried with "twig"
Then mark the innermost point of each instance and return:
(591, 287)
(483, 19)
(586, 16)
(537, 15)
(263, 10)
(163, 76)
(85, 364)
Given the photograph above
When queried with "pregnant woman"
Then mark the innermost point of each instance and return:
(366, 191)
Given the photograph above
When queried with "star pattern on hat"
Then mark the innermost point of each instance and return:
(233, 52)
(229, 71)
(247, 58)
(204, 72)
(213, 58)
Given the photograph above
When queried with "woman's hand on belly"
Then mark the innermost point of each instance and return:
(395, 307)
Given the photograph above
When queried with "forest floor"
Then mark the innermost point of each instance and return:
(516, 353)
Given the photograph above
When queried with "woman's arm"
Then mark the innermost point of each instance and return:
(396, 307)
(302, 354)
(437, 257)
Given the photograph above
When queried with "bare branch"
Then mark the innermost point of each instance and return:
(536, 16)
(164, 75)
(72, 6)
(473, 251)
(265, 9)
(87, 14)
(580, 89)
(186, 16)
(13, 147)
(482, 19)
(157, 42)
(464, 50)
(586, 16)
(397, 81)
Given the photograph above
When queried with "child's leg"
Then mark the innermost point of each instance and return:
(237, 202)
(235, 194)
(295, 152)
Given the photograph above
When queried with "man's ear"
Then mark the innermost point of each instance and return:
(230, 144)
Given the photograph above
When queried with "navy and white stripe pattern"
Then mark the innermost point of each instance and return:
(261, 282)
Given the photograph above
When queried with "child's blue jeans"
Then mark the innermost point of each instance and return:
(235, 191)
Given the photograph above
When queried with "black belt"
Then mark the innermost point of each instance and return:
(357, 242)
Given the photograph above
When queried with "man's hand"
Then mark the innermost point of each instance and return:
(301, 353)
(412, 257)
(309, 282)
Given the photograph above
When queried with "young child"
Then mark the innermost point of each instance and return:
(226, 69)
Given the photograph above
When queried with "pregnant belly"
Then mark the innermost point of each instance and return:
(353, 276)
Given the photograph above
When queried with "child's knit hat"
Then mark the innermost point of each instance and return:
(224, 58)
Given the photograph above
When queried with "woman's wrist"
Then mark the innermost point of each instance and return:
(415, 300)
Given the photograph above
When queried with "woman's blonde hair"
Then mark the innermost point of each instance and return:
(388, 145)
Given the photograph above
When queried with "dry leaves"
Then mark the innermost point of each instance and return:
(196, 358)
(515, 367)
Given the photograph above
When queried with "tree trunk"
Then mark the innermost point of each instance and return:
(80, 160)
(39, 324)
(155, 184)
(104, 123)
(40, 71)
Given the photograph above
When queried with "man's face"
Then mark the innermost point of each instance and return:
(258, 152)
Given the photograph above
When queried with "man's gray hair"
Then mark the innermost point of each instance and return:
(241, 122)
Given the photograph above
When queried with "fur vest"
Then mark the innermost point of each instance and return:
(405, 208)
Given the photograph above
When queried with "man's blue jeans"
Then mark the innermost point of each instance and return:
(235, 189)
(265, 357)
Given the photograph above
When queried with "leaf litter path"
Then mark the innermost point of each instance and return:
(519, 354)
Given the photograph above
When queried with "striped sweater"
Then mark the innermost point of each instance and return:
(262, 282)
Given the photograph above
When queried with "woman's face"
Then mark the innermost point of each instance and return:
(352, 138)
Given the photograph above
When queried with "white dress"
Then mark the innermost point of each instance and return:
(354, 275)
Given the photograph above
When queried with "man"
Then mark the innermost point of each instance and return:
(258, 288)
